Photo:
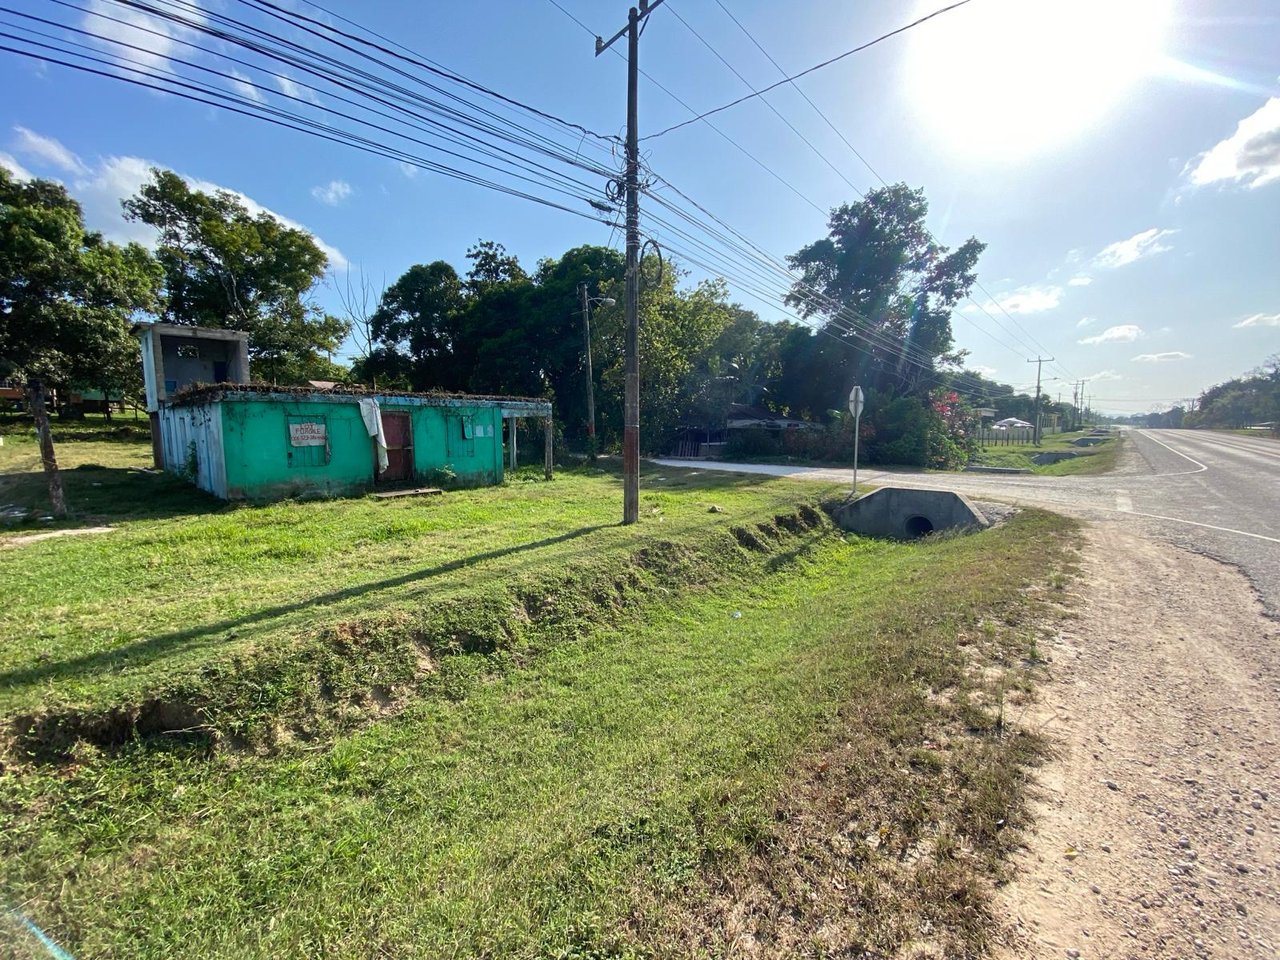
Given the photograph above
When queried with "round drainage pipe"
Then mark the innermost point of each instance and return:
(918, 526)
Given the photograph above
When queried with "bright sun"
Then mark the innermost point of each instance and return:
(1013, 77)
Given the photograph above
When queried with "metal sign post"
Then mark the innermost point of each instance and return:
(856, 403)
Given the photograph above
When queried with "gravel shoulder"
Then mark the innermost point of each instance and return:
(1157, 832)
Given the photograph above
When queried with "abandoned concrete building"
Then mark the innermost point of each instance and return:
(244, 441)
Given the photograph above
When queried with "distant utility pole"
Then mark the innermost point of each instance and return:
(592, 448)
(631, 398)
(1039, 361)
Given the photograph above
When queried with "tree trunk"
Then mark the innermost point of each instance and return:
(35, 397)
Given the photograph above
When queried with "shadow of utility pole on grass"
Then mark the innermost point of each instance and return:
(144, 651)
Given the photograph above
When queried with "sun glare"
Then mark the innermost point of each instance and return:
(1013, 77)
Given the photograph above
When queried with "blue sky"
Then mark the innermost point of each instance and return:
(1121, 159)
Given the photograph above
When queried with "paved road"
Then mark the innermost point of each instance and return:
(1217, 494)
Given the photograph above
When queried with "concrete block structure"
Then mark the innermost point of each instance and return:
(245, 441)
(899, 513)
(257, 442)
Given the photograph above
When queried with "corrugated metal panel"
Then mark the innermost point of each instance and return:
(192, 439)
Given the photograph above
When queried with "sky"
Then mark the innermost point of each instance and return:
(1120, 158)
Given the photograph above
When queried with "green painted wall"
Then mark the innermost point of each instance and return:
(262, 463)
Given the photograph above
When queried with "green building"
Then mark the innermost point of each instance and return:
(260, 442)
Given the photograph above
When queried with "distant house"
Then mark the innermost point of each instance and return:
(744, 416)
(245, 441)
(1012, 423)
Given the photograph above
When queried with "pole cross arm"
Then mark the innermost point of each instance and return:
(646, 8)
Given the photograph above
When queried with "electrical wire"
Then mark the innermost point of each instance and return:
(803, 73)
(1019, 333)
(250, 109)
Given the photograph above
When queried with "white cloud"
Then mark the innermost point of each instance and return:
(985, 371)
(1259, 320)
(1250, 156)
(1125, 333)
(1082, 280)
(18, 171)
(1166, 357)
(1086, 322)
(156, 37)
(1030, 299)
(291, 88)
(332, 193)
(408, 169)
(240, 83)
(114, 179)
(1124, 252)
(47, 150)
(1104, 376)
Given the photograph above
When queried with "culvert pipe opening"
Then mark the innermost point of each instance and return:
(918, 526)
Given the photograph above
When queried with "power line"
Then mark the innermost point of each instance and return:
(452, 136)
(802, 73)
(1034, 343)
(168, 83)
(790, 126)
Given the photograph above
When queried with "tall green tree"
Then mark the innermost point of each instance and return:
(66, 300)
(679, 332)
(415, 328)
(226, 267)
(878, 270)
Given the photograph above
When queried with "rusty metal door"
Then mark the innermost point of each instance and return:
(399, 434)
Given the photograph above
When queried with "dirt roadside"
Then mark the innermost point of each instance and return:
(1158, 824)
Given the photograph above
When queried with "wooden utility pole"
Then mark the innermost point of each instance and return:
(40, 413)
(1038, 361)
(591, 387)
(631, 398)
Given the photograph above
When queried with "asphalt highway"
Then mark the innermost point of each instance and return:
(1217, 494)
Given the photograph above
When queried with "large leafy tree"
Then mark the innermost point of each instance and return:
(878, 270)
(227, 267)
(415, 328)
(66, 300)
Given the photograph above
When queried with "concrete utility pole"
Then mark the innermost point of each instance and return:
(631, 398)
(1039, 361)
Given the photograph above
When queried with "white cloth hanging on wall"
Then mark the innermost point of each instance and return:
(372, 415)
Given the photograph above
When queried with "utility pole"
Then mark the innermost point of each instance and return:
(1039, 361)
(591, 387)
(631, 398)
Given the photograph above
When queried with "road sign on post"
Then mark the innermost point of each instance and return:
(856, 403)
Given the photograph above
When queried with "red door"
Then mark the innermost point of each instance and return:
(399, 435)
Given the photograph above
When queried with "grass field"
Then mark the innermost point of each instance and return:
(1092, 460)
(551, 736)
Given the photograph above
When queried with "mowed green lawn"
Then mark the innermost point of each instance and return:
(91, 618)
(1100, 458)
(585, 791)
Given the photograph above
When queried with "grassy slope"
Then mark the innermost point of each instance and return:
(573, 803)
(100, 618)
(1093, 460)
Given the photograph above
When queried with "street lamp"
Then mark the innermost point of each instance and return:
(586, 346)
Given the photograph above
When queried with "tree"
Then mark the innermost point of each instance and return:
(66, 300)
(226, 267)
(416, 327)
(878, 270)
(679, 331)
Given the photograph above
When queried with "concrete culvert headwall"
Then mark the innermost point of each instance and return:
(900, 514)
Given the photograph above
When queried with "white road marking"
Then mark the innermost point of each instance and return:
(1209, 526)
(1123, 503)
(1200, 466)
